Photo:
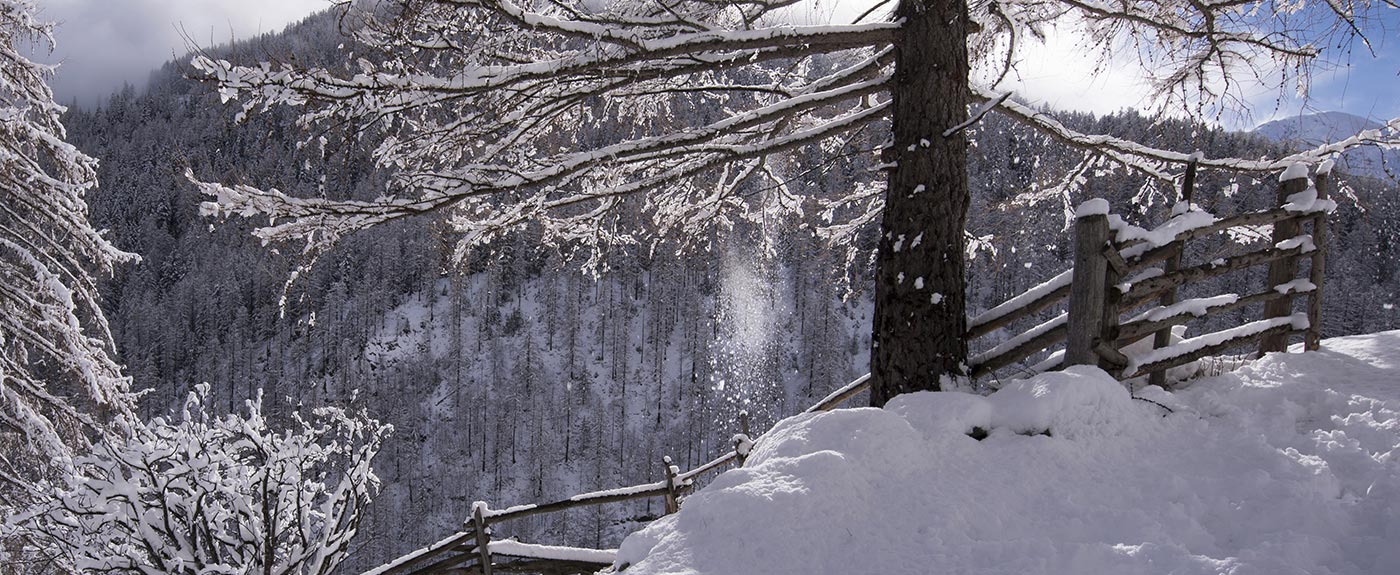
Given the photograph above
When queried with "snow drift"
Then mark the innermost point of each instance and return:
(1286, 466)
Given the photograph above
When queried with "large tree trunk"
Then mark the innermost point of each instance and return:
(919, 285)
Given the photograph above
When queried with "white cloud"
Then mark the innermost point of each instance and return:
(1065, 75)
(1062, 74)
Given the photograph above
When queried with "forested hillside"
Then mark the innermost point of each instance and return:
(524, 377)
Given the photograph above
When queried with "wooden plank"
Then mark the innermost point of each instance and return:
(1108, 354)
(1020, 352)
(1108, 324)
(1312, 341)
(1032, 307)
(1153, 287)
(483, 538)
(672, 503)
(1115, 259)
(462, 561)
(584, 500)
(1163, 337)
(835, 398)
(410, 562)
(1211, 350)
(1087, 292)
(713, 465)
(1136, 330)
(1282, 270)
(1157, 254)
(551, 567)
(514, 549)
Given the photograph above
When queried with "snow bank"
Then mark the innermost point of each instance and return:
(1078, 402)
(1286, 466)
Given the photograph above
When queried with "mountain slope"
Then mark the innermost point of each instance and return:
(1287, 466)
(1312, 130)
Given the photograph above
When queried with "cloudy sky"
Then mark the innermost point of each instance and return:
(1363, 85)
(104, 43)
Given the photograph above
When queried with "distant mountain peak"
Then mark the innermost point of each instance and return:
(1311, 130)
(1315, 129)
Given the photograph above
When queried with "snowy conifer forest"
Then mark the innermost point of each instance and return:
(532, 369)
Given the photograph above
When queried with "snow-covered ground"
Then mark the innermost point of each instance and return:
(1290, 465)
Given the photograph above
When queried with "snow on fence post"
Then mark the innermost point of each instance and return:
(672, 502)
(742, 446)
(483, 538)
(1163, 337)
(1292, 181)
(1312, 341)
(742, 441)
(1088, 290)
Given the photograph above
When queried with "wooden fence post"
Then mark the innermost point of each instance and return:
(1086, 293)
(1313, 340)
(483, 539)
(1106, 348)
(1163, 337)
(1283, 270)
(673, 503)
(742, 441)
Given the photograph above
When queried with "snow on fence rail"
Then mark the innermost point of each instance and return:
(1107, 250)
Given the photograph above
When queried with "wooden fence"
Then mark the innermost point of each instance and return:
(1119, 268)
(1092, 328)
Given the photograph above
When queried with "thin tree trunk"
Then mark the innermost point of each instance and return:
(919, 285)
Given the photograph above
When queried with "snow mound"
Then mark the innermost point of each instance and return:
(1286, 466)
(1078, 402)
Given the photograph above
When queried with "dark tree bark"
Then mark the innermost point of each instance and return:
(919, 286)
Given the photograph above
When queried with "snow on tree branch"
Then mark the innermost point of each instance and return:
(207, 494)
(1153, 161)
(514, 119)
(553, 112)
(54, 340)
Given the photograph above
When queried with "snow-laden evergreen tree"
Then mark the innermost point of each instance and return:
(491, 109)
(205, 494)
(59, 383)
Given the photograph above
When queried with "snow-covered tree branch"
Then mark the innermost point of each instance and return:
(54, 340)
(206, 494)
(503, 113)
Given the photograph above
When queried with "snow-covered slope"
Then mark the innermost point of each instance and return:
(1289, 465)
(1314, 129)
(1311, 130)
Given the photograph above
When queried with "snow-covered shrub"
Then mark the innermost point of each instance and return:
(206, 494)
